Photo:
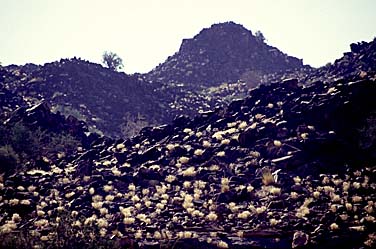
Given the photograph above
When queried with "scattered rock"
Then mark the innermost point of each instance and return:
(300, 239)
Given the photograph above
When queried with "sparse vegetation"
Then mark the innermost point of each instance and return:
(68, 110)
(133, 124)
(22, 145)
(112, 61)
(8, 159)
(267, 177)
(66, 231)
(260, 36)
(367, 133)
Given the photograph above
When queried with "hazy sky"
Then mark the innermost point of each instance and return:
(144, 33)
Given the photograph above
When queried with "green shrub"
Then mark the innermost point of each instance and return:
(133, 125)
(20, 145)
(25, 141)
(8, 159)
(63, 142)
(367, 133)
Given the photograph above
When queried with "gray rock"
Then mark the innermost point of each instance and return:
(300, 239)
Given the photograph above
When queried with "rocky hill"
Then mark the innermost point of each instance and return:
(104, 99)
(190, 99)
(290, 165)
(224, 52)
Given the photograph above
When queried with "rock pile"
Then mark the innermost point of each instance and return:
(31, 135)
(190, 100)
(288, 166)
(359, 62)
(106, 100)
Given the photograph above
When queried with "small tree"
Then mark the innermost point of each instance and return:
(112, 61)
(260, 36)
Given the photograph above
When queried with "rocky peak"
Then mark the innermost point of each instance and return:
(219, 37)
(222, 53)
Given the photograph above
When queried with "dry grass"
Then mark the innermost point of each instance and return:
(267, 177)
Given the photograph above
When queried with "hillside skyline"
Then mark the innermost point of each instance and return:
(145, 33)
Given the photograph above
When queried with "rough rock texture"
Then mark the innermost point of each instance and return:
(9, 100)
(40, 116)
(279, 169)
(190, 99)
(107, 101)
(102, 98)
(221, 53)
(355, 64)
(30, 135)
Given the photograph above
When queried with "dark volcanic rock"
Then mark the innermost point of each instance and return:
(225, 179)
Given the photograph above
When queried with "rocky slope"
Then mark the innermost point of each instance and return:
(9, 100)
(356, 64)
(31, 135)
(222, 53)
(288, 166)
(104, 99)
(116, 104)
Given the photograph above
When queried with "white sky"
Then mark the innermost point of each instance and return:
(144, 33)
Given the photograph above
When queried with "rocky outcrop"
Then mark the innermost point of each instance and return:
(359, 62)
(291, 164)
(221, 53)
(40, 116)
(35, 137)
(191, 99)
